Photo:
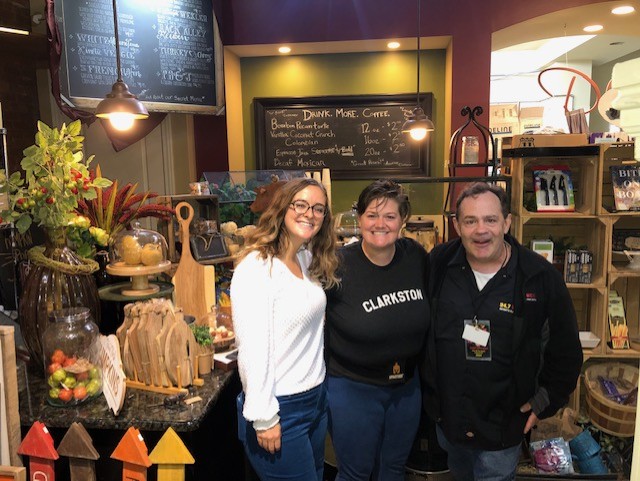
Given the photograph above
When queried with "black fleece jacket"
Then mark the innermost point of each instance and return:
(546, 356)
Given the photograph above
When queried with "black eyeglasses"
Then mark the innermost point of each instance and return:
(301, 207)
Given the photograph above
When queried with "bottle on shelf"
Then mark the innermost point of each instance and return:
(470, 149)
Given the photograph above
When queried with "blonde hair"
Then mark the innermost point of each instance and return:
(270, 238)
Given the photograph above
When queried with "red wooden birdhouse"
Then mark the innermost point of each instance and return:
(170, 454)
(132, 451)
(38, 445)
(77, 445)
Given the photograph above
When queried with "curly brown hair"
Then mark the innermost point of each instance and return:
(270, 238)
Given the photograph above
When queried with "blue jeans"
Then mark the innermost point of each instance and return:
(372, 427)
(468, 464)
(303, 423)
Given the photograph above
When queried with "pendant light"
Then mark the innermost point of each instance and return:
(120, 106)
(418, 124)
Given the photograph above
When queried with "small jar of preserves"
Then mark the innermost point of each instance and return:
(71, 351)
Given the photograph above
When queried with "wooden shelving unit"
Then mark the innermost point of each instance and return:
(591, 225)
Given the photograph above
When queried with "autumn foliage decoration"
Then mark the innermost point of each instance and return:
(113, 208)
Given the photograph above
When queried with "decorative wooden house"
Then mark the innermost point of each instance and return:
(170, 454)
(38, 445)
(132, 451)
(77, 445)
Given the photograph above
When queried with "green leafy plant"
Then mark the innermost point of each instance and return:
(56, 178)
(202, 334)
(113, 209)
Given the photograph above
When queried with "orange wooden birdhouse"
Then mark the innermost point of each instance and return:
(132, 451)
(38, 445)
(77, 445)
(170, 454)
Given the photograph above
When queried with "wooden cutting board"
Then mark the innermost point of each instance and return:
(194, 283)
(176, 354)
(168, 319)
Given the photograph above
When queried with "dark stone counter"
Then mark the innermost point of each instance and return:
(208, 428)
(141, 409)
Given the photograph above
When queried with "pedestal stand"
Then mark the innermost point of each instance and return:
(140, 285)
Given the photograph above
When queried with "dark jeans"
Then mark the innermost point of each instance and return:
(372, 428)
(477, 465)
(303, 423)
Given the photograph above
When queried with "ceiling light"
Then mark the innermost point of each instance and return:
(284, 49)
(120, 106)
(14, 30)
(623, 10)
(593, 28)
(393, 45)
(418, 124)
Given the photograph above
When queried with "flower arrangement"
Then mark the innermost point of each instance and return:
(113, 209)
(85, 238)
(56, 178)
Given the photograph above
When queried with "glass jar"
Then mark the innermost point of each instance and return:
(347, 225)
(71, 353)
(422, 231)
(138, 247)
(470, 149)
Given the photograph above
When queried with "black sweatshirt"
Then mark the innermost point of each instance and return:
(377, 318)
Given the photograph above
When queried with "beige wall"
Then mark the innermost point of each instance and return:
(162, 162)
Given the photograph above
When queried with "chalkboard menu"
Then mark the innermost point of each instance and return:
(357, 137)
(167, 50)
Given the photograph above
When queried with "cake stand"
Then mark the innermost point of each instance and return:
(140, 285)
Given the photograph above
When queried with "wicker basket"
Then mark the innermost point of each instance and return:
(608, 415)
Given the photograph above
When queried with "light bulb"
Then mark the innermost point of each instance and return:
(418, 133)
(121, 121)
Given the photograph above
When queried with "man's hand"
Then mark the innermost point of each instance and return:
(269, 439)
(533, 419)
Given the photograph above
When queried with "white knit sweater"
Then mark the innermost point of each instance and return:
(278, 319)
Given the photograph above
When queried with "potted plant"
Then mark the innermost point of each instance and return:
(203, 337)
(56, 178)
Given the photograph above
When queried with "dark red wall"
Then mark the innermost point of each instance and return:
(245, 22)
(210, 132)
(19, 57)
(469, 22)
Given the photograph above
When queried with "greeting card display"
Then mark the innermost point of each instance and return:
(553, 189)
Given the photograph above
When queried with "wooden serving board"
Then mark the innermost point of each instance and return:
(176, 354)
(194, 283)
(154, 326)
(168, 320)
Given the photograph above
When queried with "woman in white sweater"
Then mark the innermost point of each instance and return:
(278, 306)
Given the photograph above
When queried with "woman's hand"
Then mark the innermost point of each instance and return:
(269, 439)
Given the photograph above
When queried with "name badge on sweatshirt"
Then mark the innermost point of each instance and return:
(477, 336)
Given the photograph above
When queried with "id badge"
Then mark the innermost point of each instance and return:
(477, 337)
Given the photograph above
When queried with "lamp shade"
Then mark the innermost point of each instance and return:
(121, 107)
(418, 124)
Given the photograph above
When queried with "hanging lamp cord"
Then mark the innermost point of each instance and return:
(117, 39)
(417, 59)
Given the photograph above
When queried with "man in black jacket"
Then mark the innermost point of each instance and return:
(503, 348)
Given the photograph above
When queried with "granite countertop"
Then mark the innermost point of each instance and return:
(141, 409)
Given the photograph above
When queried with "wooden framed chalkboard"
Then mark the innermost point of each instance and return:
(171, 53)
(357, 137)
